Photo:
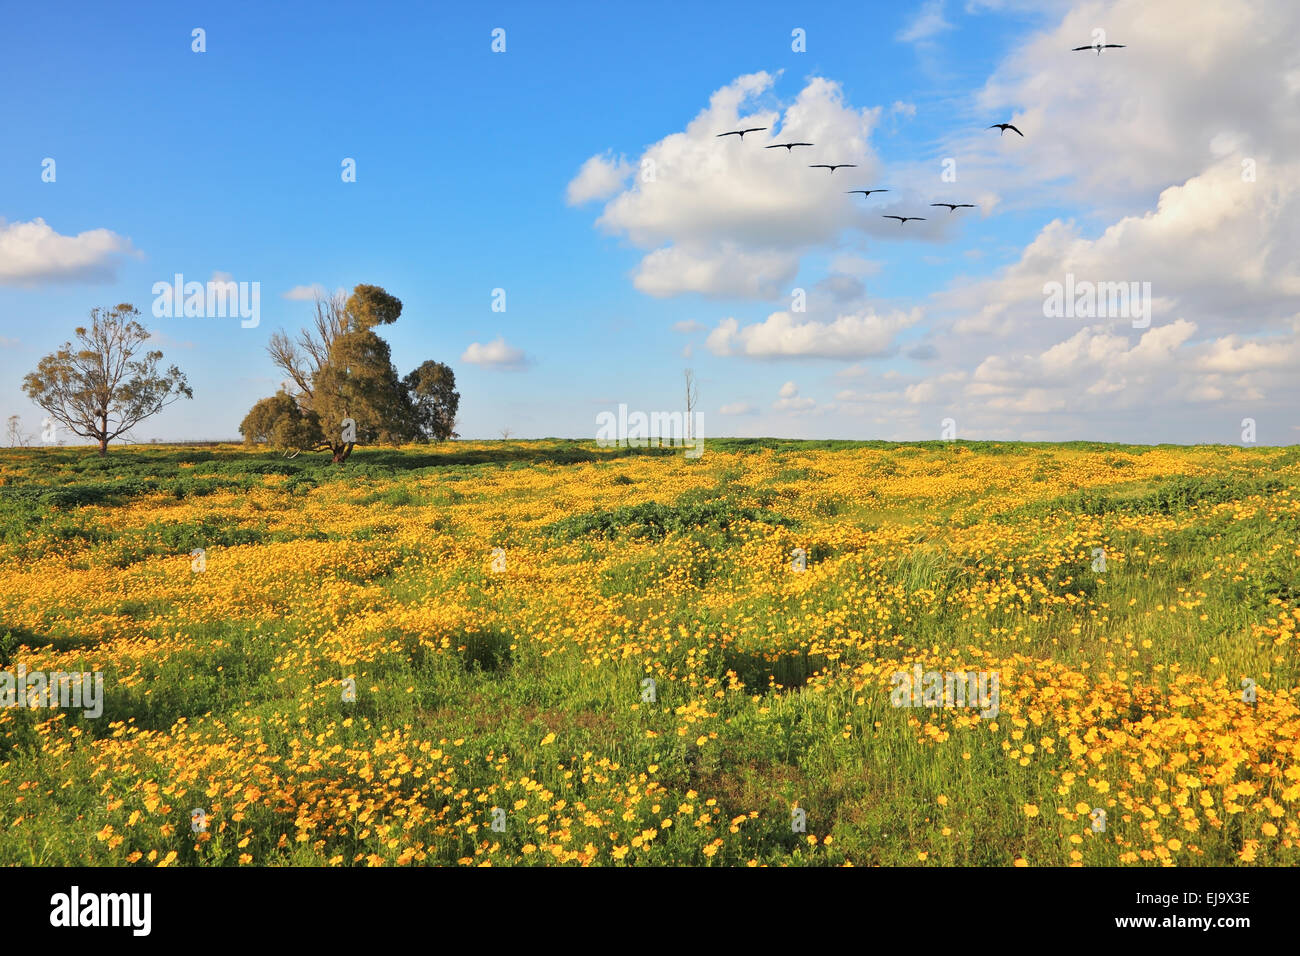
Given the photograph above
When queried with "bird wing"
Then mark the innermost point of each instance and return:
(901, 218)
(801, 144)
(776, 145)
(756, 129)
(994, 126)
(1117, 46)
(965, 205)
(1078, 48)
(819, 166)
(1013, 129)
(948, 204)
(734, 132)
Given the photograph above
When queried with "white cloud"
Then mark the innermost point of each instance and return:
(738, 408)
(1237, 255)
(782, 335)
(927, 23)
(1147, 149)
(304, 293)
(1196, 82)
(723, 270)
(32, 253)
(495, 354)
(688, 326)
(728, 217)
(599, 178)
(1233, 355)
(791, 401)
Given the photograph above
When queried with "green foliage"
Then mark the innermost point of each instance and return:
(369, 305)
(281, 422)
(100, 389)
(431, 389)
(348, 390)
(654, 520)
(1171, 496)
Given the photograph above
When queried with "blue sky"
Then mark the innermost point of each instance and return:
(228, 161)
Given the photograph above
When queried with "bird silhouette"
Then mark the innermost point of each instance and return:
(789, 147)
(741, 132)
(955, 205)
(834, 167)
(1004, 127)
(1100, 46)
(903, 219)
(866, 192)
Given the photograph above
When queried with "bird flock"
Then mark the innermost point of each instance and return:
(831, 167)
(866, 193)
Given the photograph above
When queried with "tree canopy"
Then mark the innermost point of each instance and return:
(99, 388)
(342, 387)
(434, 399)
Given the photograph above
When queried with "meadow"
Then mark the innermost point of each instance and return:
(502, 713)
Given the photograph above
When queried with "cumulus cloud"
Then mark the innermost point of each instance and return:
(495, 354)
(1216, 237)
(1237, 254)
(791, 401)
(32, 253)
(599, 178)
(1173, 160)
(1197, 82)
(783, 335)
(725, 217)
(1233, 355)
(722, 270)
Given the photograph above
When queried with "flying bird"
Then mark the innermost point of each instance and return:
(955, 205)
(866, 192)
(741, 132)
(789, 147)
(834, 167)
(903, 219)
(1100, 46)
(1004, 127)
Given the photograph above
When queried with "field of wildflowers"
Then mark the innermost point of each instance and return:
(548, 652)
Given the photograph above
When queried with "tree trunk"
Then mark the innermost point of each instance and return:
(341, 453)
(103, 446)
